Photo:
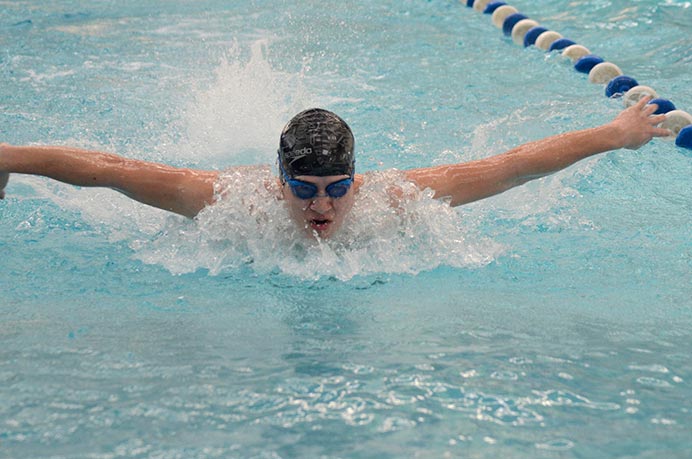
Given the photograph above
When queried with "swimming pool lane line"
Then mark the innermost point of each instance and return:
(526, 32)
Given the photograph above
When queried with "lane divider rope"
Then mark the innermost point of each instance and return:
(526, 32)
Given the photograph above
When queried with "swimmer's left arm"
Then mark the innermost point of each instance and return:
(468, 182)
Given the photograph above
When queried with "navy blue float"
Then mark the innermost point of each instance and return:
(492, 6)
(560, 44)
(684, 138)
(620, 85)
(664, 106)
(511, 21)
(532, 35)
(586, 63)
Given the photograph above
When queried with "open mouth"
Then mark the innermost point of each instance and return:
(319, 224)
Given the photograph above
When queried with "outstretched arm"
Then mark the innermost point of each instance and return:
(183, 191)
(468, 182)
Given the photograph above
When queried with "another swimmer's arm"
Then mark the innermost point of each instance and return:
(468, 182)
(183, 191)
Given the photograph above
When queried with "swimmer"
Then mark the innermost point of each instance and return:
(317, 178)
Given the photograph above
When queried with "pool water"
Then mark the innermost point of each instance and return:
(553, 321)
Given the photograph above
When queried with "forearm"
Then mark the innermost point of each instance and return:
(69, 165)
(183, 191)
(631, 129)
(468, 182)
(543, 157)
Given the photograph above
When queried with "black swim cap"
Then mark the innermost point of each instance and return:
(317, 142)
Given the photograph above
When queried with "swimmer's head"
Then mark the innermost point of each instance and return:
(316, 142)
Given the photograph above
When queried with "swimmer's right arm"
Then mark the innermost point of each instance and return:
(183, 191)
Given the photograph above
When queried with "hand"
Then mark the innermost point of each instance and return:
(638, 124)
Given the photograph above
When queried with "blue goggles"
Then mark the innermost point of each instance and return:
(307, 190)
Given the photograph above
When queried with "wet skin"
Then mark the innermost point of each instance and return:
(322, 215)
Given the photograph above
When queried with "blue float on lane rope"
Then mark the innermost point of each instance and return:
(664, 106)
(560, 44)
(510, 22)
(684, 138)
(533, 34)
(492, 6)
(620, 85)
(586, 63)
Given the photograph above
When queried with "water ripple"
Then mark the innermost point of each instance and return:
(653, 382)
(556, 445)
(566, 398)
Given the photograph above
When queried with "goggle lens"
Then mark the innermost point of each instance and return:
(305, 190)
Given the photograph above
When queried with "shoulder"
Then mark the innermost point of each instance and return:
(392, 185)
(243, 179)
(387, 176)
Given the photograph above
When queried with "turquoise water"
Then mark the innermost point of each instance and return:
(550, 322)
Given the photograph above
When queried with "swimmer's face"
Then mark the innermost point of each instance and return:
(321, 215)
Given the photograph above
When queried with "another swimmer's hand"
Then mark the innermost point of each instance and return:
(637, 125)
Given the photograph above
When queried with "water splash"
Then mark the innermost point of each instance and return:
(238, 117)
(250, 227)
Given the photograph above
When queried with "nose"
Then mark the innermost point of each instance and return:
(321, 204)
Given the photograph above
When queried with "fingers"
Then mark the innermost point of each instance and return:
(657, 119)
(649, 109)
(661, 132)
(643, 101)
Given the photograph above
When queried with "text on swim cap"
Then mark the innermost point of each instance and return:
(299, 152)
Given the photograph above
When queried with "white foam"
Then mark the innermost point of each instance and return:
(250, 228)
